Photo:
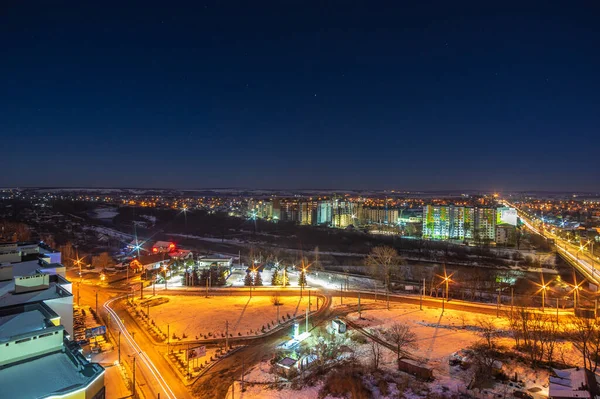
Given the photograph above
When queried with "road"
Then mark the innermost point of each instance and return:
(574, 255)
(153, 374)
(216, 382)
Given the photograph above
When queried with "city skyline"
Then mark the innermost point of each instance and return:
(296, 95)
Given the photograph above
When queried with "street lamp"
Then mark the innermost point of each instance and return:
(165, 270)
(446, 280)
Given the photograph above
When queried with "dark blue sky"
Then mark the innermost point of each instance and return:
(301, 94)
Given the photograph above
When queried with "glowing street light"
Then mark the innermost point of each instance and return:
(446, 280)
(543, 287)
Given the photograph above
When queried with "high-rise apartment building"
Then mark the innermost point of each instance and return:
(324, 212)
(379, 216)
(449, 222)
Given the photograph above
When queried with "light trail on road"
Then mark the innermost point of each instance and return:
(142, 355)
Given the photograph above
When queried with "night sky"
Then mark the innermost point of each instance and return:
(301, 94)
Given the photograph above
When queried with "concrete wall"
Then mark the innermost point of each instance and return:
(64, 308)
(32, 345)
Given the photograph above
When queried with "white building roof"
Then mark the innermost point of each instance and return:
(569, 383)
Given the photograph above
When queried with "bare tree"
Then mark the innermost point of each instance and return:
(383, 262)
(375, 355)
(586, 338)
(488, 330)
(402, 337)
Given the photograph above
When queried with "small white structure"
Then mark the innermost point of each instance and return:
(338, 325)
(219, 261)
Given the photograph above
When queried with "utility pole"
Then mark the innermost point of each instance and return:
(277, 307)
(443, 306)
(359, 314)
(226, 334)
(133, 387)
(154, 286)
(207, 283)
(309, 300)
(387, 291)
(498, 304)
(168, 338)
(141, 290)
(306, 320)
(421, 296)
(119, 346)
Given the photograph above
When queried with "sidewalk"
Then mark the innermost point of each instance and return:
(113, 380)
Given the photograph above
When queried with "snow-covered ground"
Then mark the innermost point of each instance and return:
(110, 232)
(105, 213)
(197, 316)
(439, 335)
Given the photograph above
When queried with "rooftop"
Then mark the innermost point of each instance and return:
(569, 383)
(53, 374)
(20, 323)
(8, 296)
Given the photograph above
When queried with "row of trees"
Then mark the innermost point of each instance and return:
(253, 279)
(213, 276)
(537, 335)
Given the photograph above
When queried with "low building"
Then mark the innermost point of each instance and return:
(182, 254)
(15, 252)
(163, 247)
(569, 383)
(215, 260)
(38, 361)
(148, 262)
(38, 358)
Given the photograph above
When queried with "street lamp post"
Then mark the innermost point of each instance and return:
(544, 287)
(446, 281)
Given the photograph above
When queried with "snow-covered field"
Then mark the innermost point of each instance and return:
(197, 316)
(439, 335)
(105, 213)
(109, 232)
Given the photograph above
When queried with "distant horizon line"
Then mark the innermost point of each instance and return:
(83, 188)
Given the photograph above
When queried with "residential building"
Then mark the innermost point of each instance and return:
(163, 247)
(262, 209)
(506, 215)
(342, 213)
(449, 222)
(379, 216)
(38, 358)
(485, 225)
(506, 234)
(149, 262)
(307, 212)
(324, 213)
